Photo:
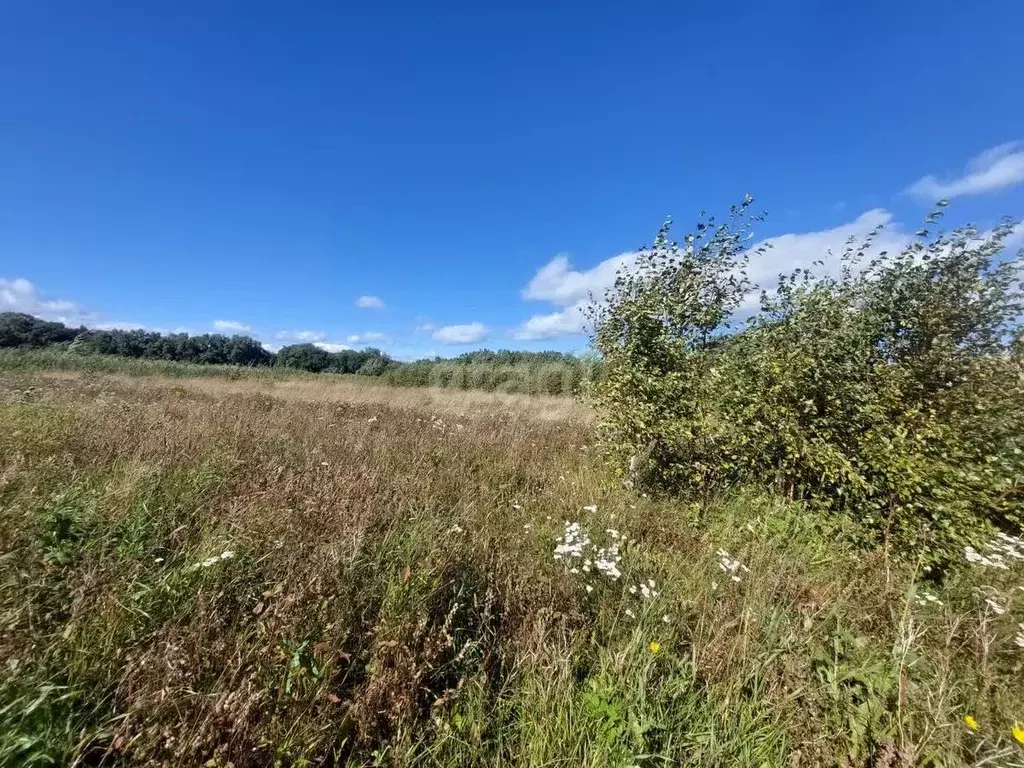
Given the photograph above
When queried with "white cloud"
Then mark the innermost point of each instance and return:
(460, 334)
(368, 337)
(566, 321)
(231, 326)
(425, 327)
(558, 283)
(332, 346)
(569, 289)
(300, 336)
(19, 295)
(800, 250)
(369, 302)
(995, 168)
(1015, 240)
(123, 325)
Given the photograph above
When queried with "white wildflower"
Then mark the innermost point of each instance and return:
(455, 529)
(666, 618)
(589, 588)
(209, 562)
(630, 614)
(995, 607)
(574, 540)
(1001, 547)
(731, 565)
(590, 508)
(575, 543)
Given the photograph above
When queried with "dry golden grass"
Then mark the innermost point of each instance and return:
(355, 391)
(391, 596)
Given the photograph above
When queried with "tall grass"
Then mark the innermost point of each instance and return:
(548, 378)
(59, 358)
(212, 572)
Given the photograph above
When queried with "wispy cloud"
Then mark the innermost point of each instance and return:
(469, 333)
(300, 336)
(231, 326)
(129, 325)
(996, 168)
(368, 338)
(370, 302)
(332, 346)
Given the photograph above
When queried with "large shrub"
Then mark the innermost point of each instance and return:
(891, 391)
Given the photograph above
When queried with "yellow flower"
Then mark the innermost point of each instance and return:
(656, 648)
(970, 722)
(1018, 733)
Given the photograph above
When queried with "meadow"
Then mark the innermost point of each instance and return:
(268, 570)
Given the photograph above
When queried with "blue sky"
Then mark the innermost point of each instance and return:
(474, 167)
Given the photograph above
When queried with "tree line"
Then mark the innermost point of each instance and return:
(26, 331)
(509, 370)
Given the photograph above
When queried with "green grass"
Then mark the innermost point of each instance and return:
(61, 359)
(392, 598)
(522, 378)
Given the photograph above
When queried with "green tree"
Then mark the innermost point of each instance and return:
(306, 357)
(18, 329)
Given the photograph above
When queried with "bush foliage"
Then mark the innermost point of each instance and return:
(891, 390)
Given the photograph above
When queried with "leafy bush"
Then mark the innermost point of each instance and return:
(893, 391)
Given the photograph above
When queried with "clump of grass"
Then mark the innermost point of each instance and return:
(211, 572)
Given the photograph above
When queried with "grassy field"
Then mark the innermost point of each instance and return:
(312, 571)
(544, 378)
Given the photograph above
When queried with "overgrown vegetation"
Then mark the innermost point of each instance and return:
(891, 392)
(215, 572)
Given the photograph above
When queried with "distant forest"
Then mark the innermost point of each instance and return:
(511, 370)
